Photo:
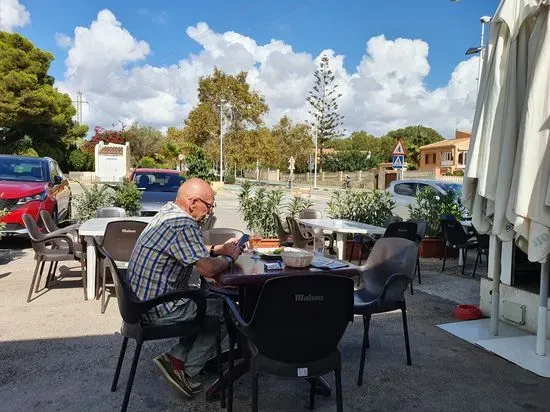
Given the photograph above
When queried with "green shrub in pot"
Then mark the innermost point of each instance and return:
(370, 207)
(429, 206)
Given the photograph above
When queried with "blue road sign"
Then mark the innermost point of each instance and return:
(398, 161)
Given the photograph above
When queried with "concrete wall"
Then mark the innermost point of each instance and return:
(515, 295)
(83, 177)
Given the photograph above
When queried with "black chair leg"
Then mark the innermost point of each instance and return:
(103, 288)
(38, 264)
(119, 364)
(220, 366)
(37, 286)
(311, 396)
(464, 255)
(478, 257)
(364, 347)
(255, 378)
(338, 382)
(406, 333)
(230, 373)
(131, 378)
(412, 290)
(444, 257)
(418, 269)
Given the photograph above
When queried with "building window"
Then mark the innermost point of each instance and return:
(427, 159)
(433, 158)
(447, 156)
(462, 158)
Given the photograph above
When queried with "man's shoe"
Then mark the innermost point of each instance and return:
(175, 376)
(194, 385)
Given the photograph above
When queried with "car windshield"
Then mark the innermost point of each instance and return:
(158, 181)
(22, 170)
(455, 187)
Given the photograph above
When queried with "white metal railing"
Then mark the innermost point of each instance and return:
(447, 163)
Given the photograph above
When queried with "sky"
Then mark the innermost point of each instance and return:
(397, 63)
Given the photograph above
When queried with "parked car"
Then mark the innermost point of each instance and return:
(404, 192)
(159, 186)
(29, 185)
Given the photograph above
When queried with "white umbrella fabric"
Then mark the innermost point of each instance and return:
(506, 183)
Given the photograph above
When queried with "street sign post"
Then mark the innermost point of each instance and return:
(398, 158)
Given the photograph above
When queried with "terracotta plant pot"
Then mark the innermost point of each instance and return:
(435, 248)
(267, 243)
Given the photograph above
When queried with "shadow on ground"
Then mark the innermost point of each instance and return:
(74, 373)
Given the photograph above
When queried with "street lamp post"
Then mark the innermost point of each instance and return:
(223, 105)
(480, 49)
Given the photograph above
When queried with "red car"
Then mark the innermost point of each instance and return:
(29, 185)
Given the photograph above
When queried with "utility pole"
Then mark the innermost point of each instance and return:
(79, 102)
(223, 105)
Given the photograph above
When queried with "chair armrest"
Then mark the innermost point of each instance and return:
(48, 237)
(233, 316)
(196, 295)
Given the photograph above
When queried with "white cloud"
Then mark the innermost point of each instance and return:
(63, 41)
(13, 14)
(386, 90)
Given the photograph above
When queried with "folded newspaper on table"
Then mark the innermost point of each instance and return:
(325, 263)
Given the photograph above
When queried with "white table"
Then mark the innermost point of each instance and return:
(96, 228)
(342, 227)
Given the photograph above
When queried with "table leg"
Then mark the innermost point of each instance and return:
(90, 265)
(340, 244)
(461, 257)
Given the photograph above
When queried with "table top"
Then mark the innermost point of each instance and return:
(343, 226)
(97, 225)
(251, 272)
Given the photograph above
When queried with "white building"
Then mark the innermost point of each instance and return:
(112, 162)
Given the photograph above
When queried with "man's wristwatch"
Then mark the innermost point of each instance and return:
(229, 259)
(212, 253)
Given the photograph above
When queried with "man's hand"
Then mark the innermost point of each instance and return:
(231, 248)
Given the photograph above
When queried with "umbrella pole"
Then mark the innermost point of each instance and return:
(496, 262)
(543, 307)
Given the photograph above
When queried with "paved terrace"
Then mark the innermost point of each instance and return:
(58, 353)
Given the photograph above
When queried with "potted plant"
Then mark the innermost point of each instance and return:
(370, 207)
(257, 207)
(429, 206)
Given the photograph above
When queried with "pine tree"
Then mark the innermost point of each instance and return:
(323, 100)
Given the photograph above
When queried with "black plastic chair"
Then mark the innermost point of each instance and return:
(119, 241)
(110, 212)
(316, 214)
(282, 233)
(295, 330)
(422, 227)
(131, 310)
(302, 238)
(53, 247)
(385, 276)
(404, 230)
(482, 248)
(51, 226)
(457, 238)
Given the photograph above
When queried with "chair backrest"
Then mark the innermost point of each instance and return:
(311, 214)
(454, 232)
(422, 227)
(220, 235)
(300, 241)
(388, 256)
(448, 217)
(209, 222)
(110, 212)
(282, 234)
(120, 238)
(405, 230)
(302, 318)
(127, 301)
(392, 219)
(48, 221)
(32, 228)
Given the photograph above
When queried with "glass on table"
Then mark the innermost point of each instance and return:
(253, 242)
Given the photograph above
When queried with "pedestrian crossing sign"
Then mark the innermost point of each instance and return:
(398, 161)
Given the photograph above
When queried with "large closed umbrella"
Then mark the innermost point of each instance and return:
(506, 186)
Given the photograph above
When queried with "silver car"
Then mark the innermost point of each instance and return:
(405, 191)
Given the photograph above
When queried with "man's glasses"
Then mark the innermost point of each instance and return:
(209, 206)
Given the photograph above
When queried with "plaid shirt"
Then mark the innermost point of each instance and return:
(164, 255)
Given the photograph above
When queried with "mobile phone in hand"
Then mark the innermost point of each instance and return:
(243, 240)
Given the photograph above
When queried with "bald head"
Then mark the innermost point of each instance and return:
(194, 196)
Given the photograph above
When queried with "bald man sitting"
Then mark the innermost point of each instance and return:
(162, 262)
